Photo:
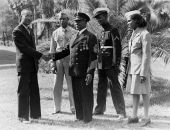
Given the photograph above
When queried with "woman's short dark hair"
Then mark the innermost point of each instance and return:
(139, 20)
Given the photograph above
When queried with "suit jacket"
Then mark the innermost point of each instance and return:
(82, 54)
(26, 55)
(110, 37)
(140, 52)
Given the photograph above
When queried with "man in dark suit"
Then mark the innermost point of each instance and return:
(81, 67)
(27, 66)
(109, 57)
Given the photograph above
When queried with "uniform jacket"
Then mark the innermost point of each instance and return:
(111, 37)
(82, 55)
(140, 52)
(26, 55)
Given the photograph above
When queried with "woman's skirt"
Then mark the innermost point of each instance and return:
(134, 86)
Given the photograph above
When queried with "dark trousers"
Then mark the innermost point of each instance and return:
(28, 96)
(110, 75)
(83, 98)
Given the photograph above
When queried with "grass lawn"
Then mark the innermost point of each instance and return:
(159, 110)
(7, 57)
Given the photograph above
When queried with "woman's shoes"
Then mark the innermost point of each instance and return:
(145, 121)
(133, 120)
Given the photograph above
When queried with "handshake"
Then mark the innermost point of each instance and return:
(48, 56)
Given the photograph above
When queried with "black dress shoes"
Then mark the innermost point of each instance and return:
(145, 122)
(24, 120)
(133, 120)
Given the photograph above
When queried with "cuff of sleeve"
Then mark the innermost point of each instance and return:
(91, 71)
(53, 56)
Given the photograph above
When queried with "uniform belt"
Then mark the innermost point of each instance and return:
(105, 47)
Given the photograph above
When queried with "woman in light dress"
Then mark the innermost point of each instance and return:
(138, 82)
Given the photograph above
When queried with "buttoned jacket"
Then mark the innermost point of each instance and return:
(82, 54)
(113, 39)
(140, 52)
(26, 55)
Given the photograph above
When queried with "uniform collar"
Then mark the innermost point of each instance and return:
(80, 32)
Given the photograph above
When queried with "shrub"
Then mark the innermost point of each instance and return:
(44, 47)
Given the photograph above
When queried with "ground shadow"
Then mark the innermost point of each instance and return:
(102, 124)
(7, 57)
(96, 123)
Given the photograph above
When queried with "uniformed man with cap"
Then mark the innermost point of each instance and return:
(81, 67)
(109, 57)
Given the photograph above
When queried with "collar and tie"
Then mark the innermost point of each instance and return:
(29, 30)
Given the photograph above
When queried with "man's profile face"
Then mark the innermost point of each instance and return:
(27, 17)
(101, 19)
(63, 21)
(80, 24)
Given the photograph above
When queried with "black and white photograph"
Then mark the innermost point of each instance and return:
(85, 64)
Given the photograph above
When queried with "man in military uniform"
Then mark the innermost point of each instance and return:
(109, 57)
(81, 67)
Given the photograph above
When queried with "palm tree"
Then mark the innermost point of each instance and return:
(18, 5)
(47, 10)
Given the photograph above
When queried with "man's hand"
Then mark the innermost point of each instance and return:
(142, 79)
(53, 66)
(47, 56)
(88, 79)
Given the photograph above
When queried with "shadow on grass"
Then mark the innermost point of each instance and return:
(161, 117)
(96, 123)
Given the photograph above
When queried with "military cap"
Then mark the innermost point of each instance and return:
(130, 13)
(81, 16)
(99, 11)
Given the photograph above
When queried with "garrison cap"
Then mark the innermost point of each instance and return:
(81, 16)
(99, 11)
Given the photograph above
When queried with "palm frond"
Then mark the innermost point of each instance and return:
(88, 6)
(132, 5)
(160, 27)
(160, 48)
(120, 23)
(156, 5)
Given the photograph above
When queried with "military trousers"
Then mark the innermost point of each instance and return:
(110, 75)
(83, 98)
(28, 96)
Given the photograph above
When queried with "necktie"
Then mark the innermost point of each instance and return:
(29, 30)
(65, 37)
